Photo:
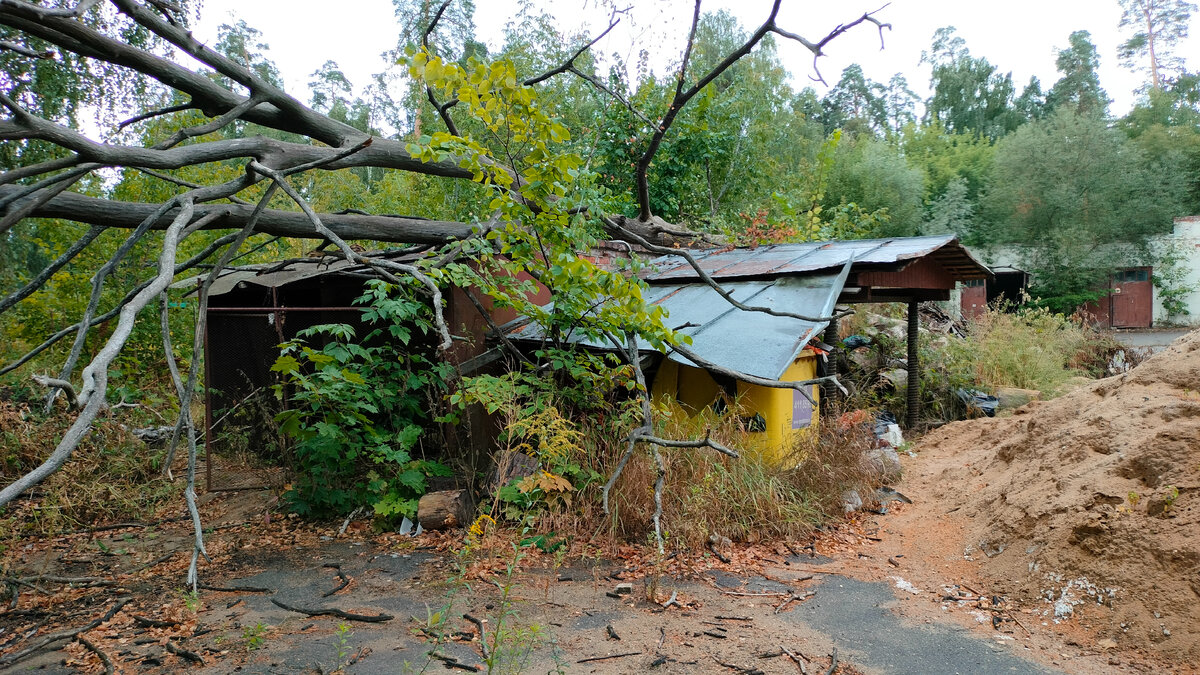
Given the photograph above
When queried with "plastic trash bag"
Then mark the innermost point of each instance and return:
(856, 341)
(979, 402)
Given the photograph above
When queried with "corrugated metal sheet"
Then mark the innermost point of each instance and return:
(755, 343)
(277, 274)
(806, 258)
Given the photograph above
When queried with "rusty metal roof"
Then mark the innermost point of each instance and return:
(755, 343)
(793, 259)
(278, 274)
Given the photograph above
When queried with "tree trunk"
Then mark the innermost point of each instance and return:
(445, 509)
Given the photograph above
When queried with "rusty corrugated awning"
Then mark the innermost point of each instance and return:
(800, 259)
(277, 274)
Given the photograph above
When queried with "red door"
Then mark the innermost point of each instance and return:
(1132, 298)
(974, 298)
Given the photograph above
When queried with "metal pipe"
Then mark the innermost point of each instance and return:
(829, 392)
(208, 419)
(914, 366)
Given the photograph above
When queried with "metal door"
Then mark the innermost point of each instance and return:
(974, 298)
(1132, 298)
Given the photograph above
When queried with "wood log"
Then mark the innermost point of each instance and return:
(445, 509)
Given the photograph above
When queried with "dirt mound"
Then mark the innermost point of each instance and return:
(1089, 505)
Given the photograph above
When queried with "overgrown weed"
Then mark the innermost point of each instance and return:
(1028, 348)
(112, 476)
(751, 498)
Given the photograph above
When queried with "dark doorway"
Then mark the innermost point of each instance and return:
(1008, 285)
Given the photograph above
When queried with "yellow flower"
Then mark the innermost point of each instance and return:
(478, 527)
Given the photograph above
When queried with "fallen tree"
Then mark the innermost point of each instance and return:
(538, 224)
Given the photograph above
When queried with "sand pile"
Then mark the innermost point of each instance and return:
(1089, 505)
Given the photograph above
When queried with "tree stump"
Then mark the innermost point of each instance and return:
(445, 509)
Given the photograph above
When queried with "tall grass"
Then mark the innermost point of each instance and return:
(112, 476)
(746, 499)
(1029, 348)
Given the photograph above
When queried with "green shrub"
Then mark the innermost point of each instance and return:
(1030, 348)
(358, 407)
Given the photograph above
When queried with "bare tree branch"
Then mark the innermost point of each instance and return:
(496, 330)
(167, 178)
(22, 172)
(443, 111)
(712, 283)
(817, 48)
(567, 65)
(383, 267)
(185, 422)
(155, 113)
(53, 339)
(45, 275)
(5, 45)
(66, 386)
(801, 386)
(95, 375)
(110, 213)
(682, 97)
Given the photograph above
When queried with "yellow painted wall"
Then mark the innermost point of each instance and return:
(695, 389)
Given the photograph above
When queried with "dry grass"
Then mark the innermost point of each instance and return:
(112, 476)
(1033, 348)
(745, 499)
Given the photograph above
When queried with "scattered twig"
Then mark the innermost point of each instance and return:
(145, 622)
(610, 656)
(366, 618)
(662, 637)
(236, 589)
(764, 594)
(793, 598)
(184, 654)
(893, 562)
(1018, 622)
(713, 633)
(720, 556)
(733, 618)
(741, 669)
(346, 523)
(157, 561)
(833, 664)
(452, 662)
(79, 582)
(68, 634)
(796, 658)
(971, 589)
(341, 575)
(674, 600)
(482, 633)
(91, 646)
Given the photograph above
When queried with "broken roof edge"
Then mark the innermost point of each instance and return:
(756, 343)
(773, 260)
(277, 273)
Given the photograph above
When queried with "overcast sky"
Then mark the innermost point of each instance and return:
(1021, 36)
